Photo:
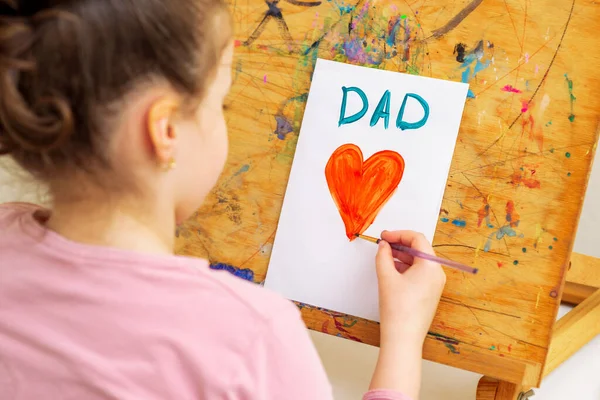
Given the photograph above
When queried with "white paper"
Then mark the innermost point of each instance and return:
(312, 260)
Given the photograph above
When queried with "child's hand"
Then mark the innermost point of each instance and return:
(409, 290)
(409, 293)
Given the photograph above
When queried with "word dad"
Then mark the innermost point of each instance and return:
(382, 110)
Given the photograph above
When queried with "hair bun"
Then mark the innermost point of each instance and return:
(38, 124)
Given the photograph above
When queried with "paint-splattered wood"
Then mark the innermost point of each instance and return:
(518, 175)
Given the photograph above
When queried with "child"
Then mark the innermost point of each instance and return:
(117, 105)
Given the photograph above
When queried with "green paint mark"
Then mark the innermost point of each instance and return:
(568, 174)
(452, 349)
(572, 97)
(550, 247)
(493, 348)
(568, 155)
(351, 324)
(555, 239)
(548, 123)
(524, 249)
(551, 150)
(403, 16)
(516, 262)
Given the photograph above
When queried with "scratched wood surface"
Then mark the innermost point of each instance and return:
(517, 178)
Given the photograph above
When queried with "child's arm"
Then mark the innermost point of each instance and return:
(409, 293)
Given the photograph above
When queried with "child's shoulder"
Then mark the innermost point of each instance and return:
(257, 301)
(228, 291)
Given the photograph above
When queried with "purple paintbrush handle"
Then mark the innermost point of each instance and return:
(425, 256)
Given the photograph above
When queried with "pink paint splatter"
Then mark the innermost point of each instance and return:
(524, 106)
(537, 68)
(511, 89)
(237, 43)
(526, 58)
(265, 78)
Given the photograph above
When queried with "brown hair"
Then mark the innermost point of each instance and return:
(66, 64)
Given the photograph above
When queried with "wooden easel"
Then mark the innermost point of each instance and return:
(518, 175)
(571, 332)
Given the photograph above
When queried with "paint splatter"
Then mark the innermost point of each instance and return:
(524, 250)
(516, 262)
(461, 223)
(283, 127)
(473, 65)
(245, 273)
(512, 217)
(511, 89)
(512, 221)
(550, 247)
(499, 264)
(459, 50)
(265, 78)
(452, 349)
(572, 97)
(492, 347)
(393, 28)
(444, 219)
(568, 155)
(483, 213)
(243, 169)
(523, 177)
(524, 106)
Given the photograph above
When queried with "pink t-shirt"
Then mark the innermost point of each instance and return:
(85, 322)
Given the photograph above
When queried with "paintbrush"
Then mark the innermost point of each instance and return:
(420, 254)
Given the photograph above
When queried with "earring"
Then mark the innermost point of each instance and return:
(170, 165)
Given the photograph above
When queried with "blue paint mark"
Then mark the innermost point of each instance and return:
(461, 223)
(487, 246)
(479, 66)
(490, 225)
(283, 127)
(470, 94)
(505, 231)
(444, 219)
(499, 234)
(343, 9)
(245, 273)
(466, 75)
(391, 40)
(244, 168)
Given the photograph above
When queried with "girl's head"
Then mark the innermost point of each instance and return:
(120, 97)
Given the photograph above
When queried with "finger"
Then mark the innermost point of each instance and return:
(384, 261)
(402, 256)
(401, 267)
(411, 239)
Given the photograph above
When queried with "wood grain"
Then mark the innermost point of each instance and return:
(574, 293)
(518, 175)
(584, 270)
(573, 331)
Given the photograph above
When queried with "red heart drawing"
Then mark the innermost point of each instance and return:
(360, 189)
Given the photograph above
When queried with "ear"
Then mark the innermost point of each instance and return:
(161, 129)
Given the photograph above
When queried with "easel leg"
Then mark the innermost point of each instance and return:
(493, 389)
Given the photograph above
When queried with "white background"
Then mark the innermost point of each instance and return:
(312, 260)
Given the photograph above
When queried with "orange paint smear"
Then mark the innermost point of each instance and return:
(360, 189)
